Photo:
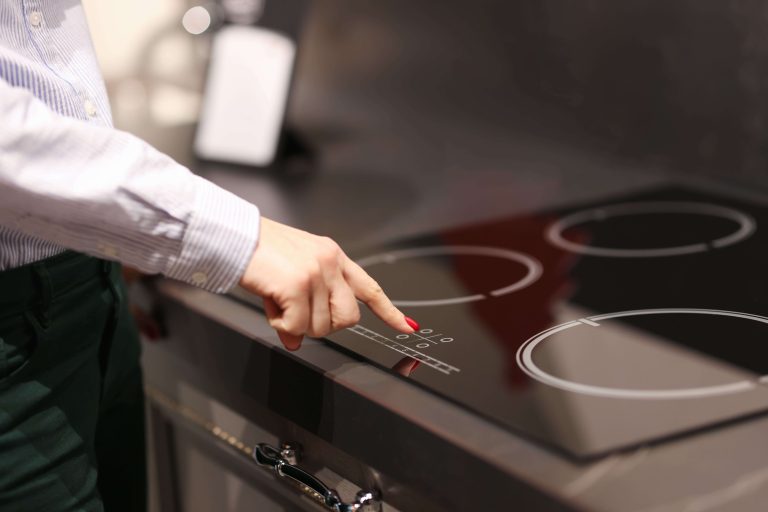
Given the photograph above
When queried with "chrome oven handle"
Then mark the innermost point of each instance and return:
(283, 462)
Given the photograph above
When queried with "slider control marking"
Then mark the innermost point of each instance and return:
(398, 347)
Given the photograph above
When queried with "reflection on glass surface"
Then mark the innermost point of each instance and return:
(406, 366)
(690, 353)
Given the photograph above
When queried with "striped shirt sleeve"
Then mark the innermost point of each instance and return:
(107, 193)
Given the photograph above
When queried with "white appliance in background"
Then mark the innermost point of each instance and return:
(246, 94)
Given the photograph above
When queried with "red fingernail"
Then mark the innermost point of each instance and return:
(415, 364)
(413, 324)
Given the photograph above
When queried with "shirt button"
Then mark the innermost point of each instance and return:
(199, 278)
(35, 18)
(90, 108)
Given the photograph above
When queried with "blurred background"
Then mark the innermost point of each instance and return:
(676, 85)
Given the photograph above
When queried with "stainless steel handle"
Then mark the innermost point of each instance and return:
(283, 462)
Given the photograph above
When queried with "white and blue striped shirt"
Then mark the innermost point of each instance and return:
(69, 180)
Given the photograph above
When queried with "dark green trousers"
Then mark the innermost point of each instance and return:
(71, 398)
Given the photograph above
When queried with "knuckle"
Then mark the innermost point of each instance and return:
(294, 330)
(303, 283)
(328, 252)
(313, 273)
(320, 332)
(347, 320)
(329, 243)
(323, 260)
(341, 323)
(375, 291)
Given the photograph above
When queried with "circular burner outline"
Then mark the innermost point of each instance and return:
(554, 233)
(533, 265)
(525, 361)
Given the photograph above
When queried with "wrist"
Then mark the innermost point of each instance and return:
(219, 240)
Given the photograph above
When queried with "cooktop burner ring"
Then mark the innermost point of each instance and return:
(555, 231)
(525, 361)
(533, 266)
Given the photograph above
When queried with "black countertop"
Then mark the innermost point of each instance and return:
(353, 403)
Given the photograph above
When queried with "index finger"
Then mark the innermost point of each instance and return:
(368, 290)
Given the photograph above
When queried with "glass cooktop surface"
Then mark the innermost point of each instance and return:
(589, 329)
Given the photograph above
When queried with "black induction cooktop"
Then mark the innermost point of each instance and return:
(589, 329)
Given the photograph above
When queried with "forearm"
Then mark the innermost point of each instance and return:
(107, 193)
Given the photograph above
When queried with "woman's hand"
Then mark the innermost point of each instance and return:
(310, 287)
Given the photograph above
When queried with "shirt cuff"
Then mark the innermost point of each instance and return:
(219, 240)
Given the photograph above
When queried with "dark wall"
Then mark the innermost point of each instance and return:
(678, 83)
(684, 81)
